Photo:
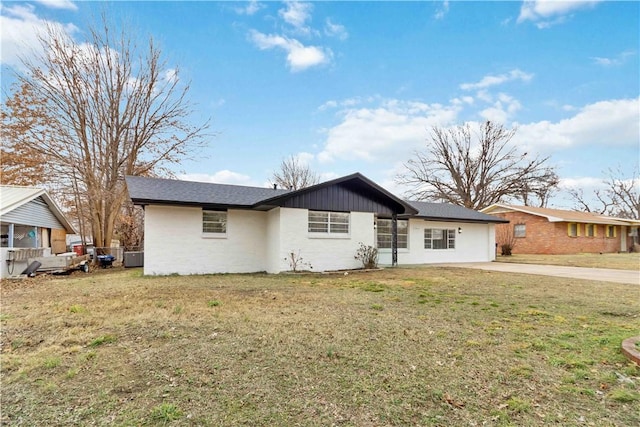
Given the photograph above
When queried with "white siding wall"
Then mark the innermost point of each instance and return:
(322, 252)
(476, 243)
(174, 242)
(274, 257)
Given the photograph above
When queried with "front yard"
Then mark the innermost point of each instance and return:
(622, 261)
(407, 346)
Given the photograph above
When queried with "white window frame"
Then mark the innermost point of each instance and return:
(326, 223)
(383, 228)
(450, 238)
(217, 222)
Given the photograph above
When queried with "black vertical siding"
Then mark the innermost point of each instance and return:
(344, 198)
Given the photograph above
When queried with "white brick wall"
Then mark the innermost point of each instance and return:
(174, 242)
(476, 243)
(323, 252)
(260, 241)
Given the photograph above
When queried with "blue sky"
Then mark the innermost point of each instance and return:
(355, 86)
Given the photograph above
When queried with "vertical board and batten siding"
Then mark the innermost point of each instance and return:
(35, 213)
(339, 198)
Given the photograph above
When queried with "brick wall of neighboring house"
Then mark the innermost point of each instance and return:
(544, 237)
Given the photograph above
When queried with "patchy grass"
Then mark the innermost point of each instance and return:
(622, 261)
(424, 346)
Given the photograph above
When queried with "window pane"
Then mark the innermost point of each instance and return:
(339, 228)
(340, 217)
(519, 230)
(214, 222)
(318, 216)
(384, 241)
(318, 227)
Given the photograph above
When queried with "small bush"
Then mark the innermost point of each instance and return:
(367, 255)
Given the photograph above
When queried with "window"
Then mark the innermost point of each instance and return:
(573, 229)
(329, 222)
(214, 222)
(436, 238)
(519, 230)
(383, 226)
(590, 230)
(611, 231)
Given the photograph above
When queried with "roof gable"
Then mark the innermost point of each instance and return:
(350, 193)
(15, 199)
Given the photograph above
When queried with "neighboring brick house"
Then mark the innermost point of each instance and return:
(554, 231)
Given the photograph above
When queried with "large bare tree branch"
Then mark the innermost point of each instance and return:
(111, 109)
(476, 169)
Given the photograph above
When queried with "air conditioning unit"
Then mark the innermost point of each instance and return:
(134, 259)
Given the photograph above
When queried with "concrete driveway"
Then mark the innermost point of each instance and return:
(602, 274)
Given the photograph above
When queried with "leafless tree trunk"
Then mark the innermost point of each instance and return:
(112, 109)
(294, 174)
(473, 169)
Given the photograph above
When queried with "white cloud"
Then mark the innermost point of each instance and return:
(545, 13)
(618, 60)
(488, 81)
(220, 177)
(335, 30)
(390, 131)
(443, 10)
(297, 14)
(299, 56)
(605, 123)
(250, 9)
(58, 4)
(502, 109)
(19, 31)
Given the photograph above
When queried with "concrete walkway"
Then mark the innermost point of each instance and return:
(601, 274)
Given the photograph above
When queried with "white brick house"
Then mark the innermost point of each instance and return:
(199, 228)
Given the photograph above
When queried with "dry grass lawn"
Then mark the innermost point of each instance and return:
(622, 261)
(408, 346)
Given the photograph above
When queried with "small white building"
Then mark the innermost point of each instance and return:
(200, 228)
(31, 225)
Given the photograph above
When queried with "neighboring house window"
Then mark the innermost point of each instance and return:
(383, 226)
(611, 231)
(436, 238)
(590, 230)
(214, 222)
(520, 230)
(573, 229)
(328, 222)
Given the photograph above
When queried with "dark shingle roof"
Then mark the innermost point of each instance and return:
(449, 212)
(170, 191)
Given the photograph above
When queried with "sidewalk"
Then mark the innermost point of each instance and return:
(598, 274)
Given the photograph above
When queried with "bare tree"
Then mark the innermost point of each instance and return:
(294, 174)
(538, 192)
(620, 196)
(112, 109)
(473, 169)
